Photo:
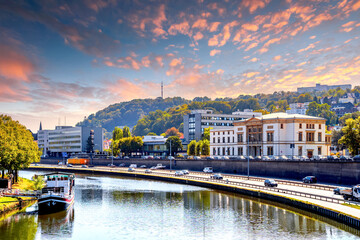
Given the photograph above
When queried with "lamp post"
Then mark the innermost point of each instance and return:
(248, 158)
(170, 155)
(112, 153)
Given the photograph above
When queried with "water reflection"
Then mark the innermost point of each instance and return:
(121, 208)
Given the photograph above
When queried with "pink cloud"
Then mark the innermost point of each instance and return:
(277, 58)
(182, 28)
(214, 26)
(253, 5)
(214, 52)
(198, 36)
(200, 24)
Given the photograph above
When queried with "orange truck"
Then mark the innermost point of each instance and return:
(78, 161)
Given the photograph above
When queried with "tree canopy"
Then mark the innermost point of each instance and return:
(351, 135)
(17, 146)
(176, 144)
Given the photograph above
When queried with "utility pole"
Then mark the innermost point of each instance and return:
(112, 153)
(170, 154)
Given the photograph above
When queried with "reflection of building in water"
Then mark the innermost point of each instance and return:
(254, 213)
(59, 224)
(91, 194)
(155, 197)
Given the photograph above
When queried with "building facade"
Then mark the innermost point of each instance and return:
(155, 145)
(319, 87)
(67, 139)
(272, 135)
(298, 108)
(198, 120)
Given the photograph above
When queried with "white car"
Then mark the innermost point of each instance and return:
(179, 173)
(208, 170)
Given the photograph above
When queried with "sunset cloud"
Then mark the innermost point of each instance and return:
(214, 52)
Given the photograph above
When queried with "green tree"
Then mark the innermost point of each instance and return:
(206, 134)
(89, 145)
(117, 134)
(322, 110)
(205, 147)
(126, 132)
(176, 144)
(191, 148)
(335, 137)
(17, 146)
(351, 137)
(198, 147)
(151, 134)
(353, 115)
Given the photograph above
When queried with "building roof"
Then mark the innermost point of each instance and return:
(282, 115)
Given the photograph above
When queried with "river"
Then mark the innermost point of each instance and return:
(125, 208)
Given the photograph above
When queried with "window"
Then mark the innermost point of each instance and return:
(319, 150)
(223, 153)
(218, 152)
(233, 139)
(213, 140)
(240, 151)
(300, 125)
(310, 137)
(214, 151)
(300, 151)
(281, 125)
(228, 139)
(319, 126)
(270, 151)
(300, 136)
(270, 136)
(319, 137)
(240, 137)
(223, 139)
(218, 140)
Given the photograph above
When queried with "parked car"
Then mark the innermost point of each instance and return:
(185, 171)
(126, 157)
(337, 191)
(295, 158)
(111, 165)
(304, 158)
(266, 158)
(216, 176)
(179, 173)
(258, 158)
(171, 158)
(241, 158)
(332, 158)
(283, 158)
(153, 168)
(270, 183)
(143, 166)
(148, 171)
(345, 158)
(122, 165)
(36, 164)
(319, 157)
(356, 158)
(210, 158)
(157, 158)
(197, 158)
(149, 157)
(131, 169)
(69, 165)
(310, 179)
(133, 165)
(84, 166)
(208, 170)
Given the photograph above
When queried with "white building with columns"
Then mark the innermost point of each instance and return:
(272, 135)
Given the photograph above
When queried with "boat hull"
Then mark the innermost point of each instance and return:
(53, 204)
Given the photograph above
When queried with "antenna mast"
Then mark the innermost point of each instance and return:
(162, 90)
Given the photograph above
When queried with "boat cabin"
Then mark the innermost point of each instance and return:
(59, 183)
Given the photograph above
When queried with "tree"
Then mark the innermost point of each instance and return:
(353, 115)
(130, 145)
(117, 134)
(191, 148)
(89, 145)
(17, 146)
(205, 147)
(322, 110)
(126, 132)
(175, 144)
(151, 134)
(351, 137)
(198, 147)
(206, 134)
(336, 136)
(172, 132)
(263, 111)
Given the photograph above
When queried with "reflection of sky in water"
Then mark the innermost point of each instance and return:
(120, 208)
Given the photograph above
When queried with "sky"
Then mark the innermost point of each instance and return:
(63, 60)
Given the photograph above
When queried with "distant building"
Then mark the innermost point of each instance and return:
(272, 135)
(347, 98)
(67, 139)
(342, 108)
(320, 87)
(198, 120)
(298, 108)
(155, 145)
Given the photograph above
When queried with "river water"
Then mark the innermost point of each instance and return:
(124, 208)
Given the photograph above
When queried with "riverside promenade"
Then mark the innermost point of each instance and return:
(315, 198)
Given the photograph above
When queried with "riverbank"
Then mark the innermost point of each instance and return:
(338, 212)
(10, 205)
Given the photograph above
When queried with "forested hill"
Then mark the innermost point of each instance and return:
(128, 113)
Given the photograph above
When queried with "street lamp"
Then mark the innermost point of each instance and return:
(112, 153)
(170, 155)
(248, 158)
